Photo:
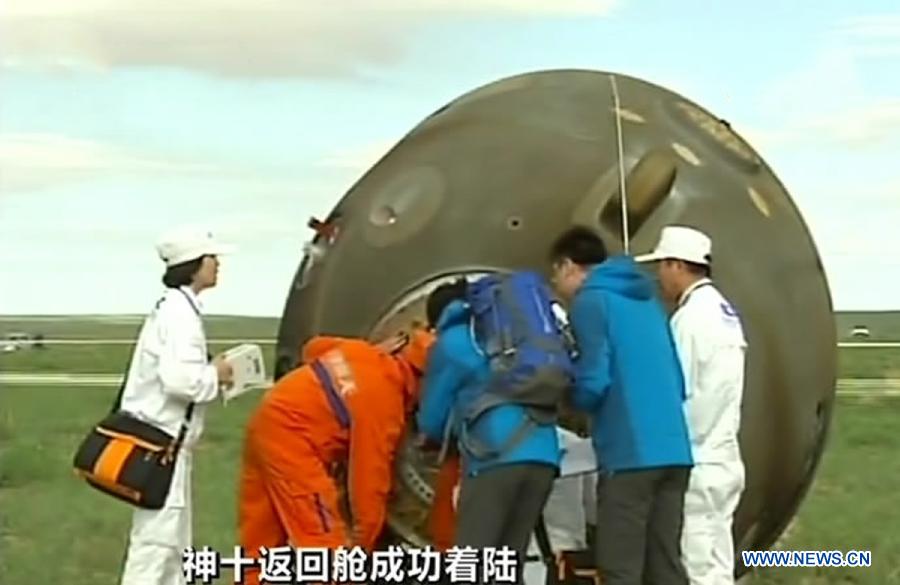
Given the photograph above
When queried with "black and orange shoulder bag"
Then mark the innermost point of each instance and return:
(130, 459)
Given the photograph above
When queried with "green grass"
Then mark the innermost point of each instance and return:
(126, 326)
(113, 359)
(853, 502)
(877, 362)
(93, 359)
(56, 527)
(852, 362)
(883, 325)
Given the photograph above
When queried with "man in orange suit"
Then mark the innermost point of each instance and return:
(347, 404)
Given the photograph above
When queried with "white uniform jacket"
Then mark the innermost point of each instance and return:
(170, 367)
(711, 346)
(169, 370)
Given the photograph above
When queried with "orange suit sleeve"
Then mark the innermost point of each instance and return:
(374, 435)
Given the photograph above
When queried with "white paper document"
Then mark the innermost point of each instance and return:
(249, 370)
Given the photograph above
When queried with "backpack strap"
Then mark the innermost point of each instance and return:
(448, 437)
(485, 402)
(532, 417)
(480, 451)
(504, 350)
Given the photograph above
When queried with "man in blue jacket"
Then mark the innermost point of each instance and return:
(629, 380)
(501, 497)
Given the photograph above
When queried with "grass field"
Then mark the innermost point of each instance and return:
(883, 325)
(92, 359)
(126, 326)
(113, 359)
(54, 529)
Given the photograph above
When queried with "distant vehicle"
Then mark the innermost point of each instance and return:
(860, 331)
(19, 340)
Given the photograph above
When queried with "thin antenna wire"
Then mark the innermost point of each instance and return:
(621, 154)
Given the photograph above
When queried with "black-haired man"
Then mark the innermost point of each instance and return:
(628, 379)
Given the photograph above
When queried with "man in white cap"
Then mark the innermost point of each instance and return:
(169, 383)
(711, 346)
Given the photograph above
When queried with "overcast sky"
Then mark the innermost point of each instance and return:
(118, 116)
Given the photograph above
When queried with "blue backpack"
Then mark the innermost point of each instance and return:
(514, 325)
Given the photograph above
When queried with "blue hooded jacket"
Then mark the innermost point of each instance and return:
(628, 377)
(455, 369)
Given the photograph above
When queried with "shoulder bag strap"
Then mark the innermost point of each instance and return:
(118, 402)
(190, 409)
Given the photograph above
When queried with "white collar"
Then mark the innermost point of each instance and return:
(687, 292)
(192, 297)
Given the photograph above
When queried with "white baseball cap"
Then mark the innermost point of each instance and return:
(680, 243)
(185, 243)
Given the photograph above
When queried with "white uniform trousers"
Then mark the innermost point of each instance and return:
(707, 545)
(158, 537)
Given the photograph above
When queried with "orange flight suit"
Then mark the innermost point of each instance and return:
(442, 517)
(294, 439)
